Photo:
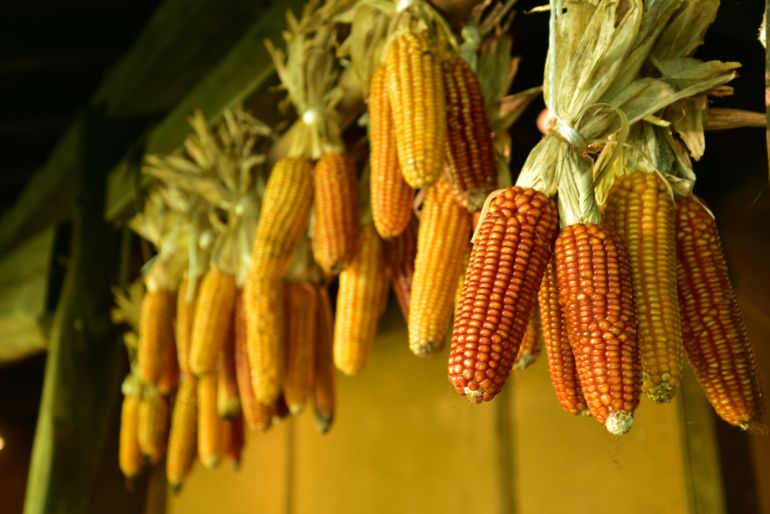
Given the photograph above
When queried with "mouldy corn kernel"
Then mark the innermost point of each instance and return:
(391, 196)
(185, 312)
(153, 426)
(265, 333)
(471, 161)
(156, 333)
(283, 217)
(257, 415)
(597, 298)
(336, 212)
(301, 301)
(129, 454)
(213, 317)
(400, 254)
(561, 361)
(209, 423)
(182, 443)
(641, 209)
(323, 392)
(442, 240)
(360, 301)
(715, 336)
(530, 344)
(507, 263)
(416, 93)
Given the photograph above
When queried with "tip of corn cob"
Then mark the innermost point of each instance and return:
(323, 423)
(525, 360)
(474, 395)
(619, 422)
(663, 392)
(425, 348)
(211, 462)
(176, 485)
(296, 408)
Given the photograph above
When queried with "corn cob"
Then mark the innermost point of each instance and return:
(129, 453)
(168, 378)
(507, 263)
(301, 300)
(283, 217)
(416, 94)
(715, 336)
(257, 415)
(182, 443)
(185, 311)
(209, 423)
(641, 209)
(400, 254)
(391, 196)
(442, 241)
(233, 439)
(323, 392)
(597, 298)
(265, 330)
(360, 301)
(228, 401)
(336, 212)
(561, 361)
(279, 409)
(530, 344)
(153, 426)
(156, 334)
(471, 161)
(213, 317)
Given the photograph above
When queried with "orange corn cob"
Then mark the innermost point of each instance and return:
(228, 401)
(640, 208)
(561, 361)
(185, 313)
(336, 212)
(129, 454)
(233, 439)
(324, 363)
(301, 300)
(156, 334)
(400, 254)
(470, 154)
(265, 331)
(209, 423)
(279, 408)
(182, 443)
(257, 415)
(507, 263)
(283, 217)
(442, 240)
(530, 344)
(597, 297)
(360, 301)
(715, 336)
(213, 317)
(416, 93)
(168, 379)
(391, 196)
(153, 426)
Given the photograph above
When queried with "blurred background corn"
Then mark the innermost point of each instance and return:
(265, 333)
(129, 453)
(212, 320)
(152, 432)
(185, 313)
(256, 414)
(324, 388)
(400, 255)
(156, 333)
(183, 439)
(233, 439)
(209, 422)
(228, 399)
(301, 303)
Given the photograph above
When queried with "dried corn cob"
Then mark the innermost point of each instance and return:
(391, 196)
(597, 298)
(360, 301)
(530, 343)
(168, 378)
(461, 280)
(323, 392)
(233, 439)
(279, 408)
(283, 217)
(156, 334)
(400, 254)
(228, 401)
(265, 330)
(301, 300)
(507, 263)
(182, 443)
(129, 453)
(442, 240)
(185, 313)
(213, 317)
(257, 415)
(561, 361)
(336, 212)
(209, 423)
(416, 94)
(714, 333)
(153, 425)
(641, 209)
(471, 162)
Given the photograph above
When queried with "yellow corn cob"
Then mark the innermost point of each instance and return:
(301, 301)
(391, 196)
(185, 313)
(442, 241)
(471, 161)
(283, 217)
(530, 344)
(360, 301)
(715, 336)
(129, 454)
(324, 363)
(507, 263)
(156, 334)
(233, 439)
(168, 378)
(257, 415)
(182, 443)
(400, 254)
(153, 426)
(265, 332)
(213, 317)
(336, 212)
(641, 209)
(209, 423)
(228, 401)
(597, 297)
(416, 94)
